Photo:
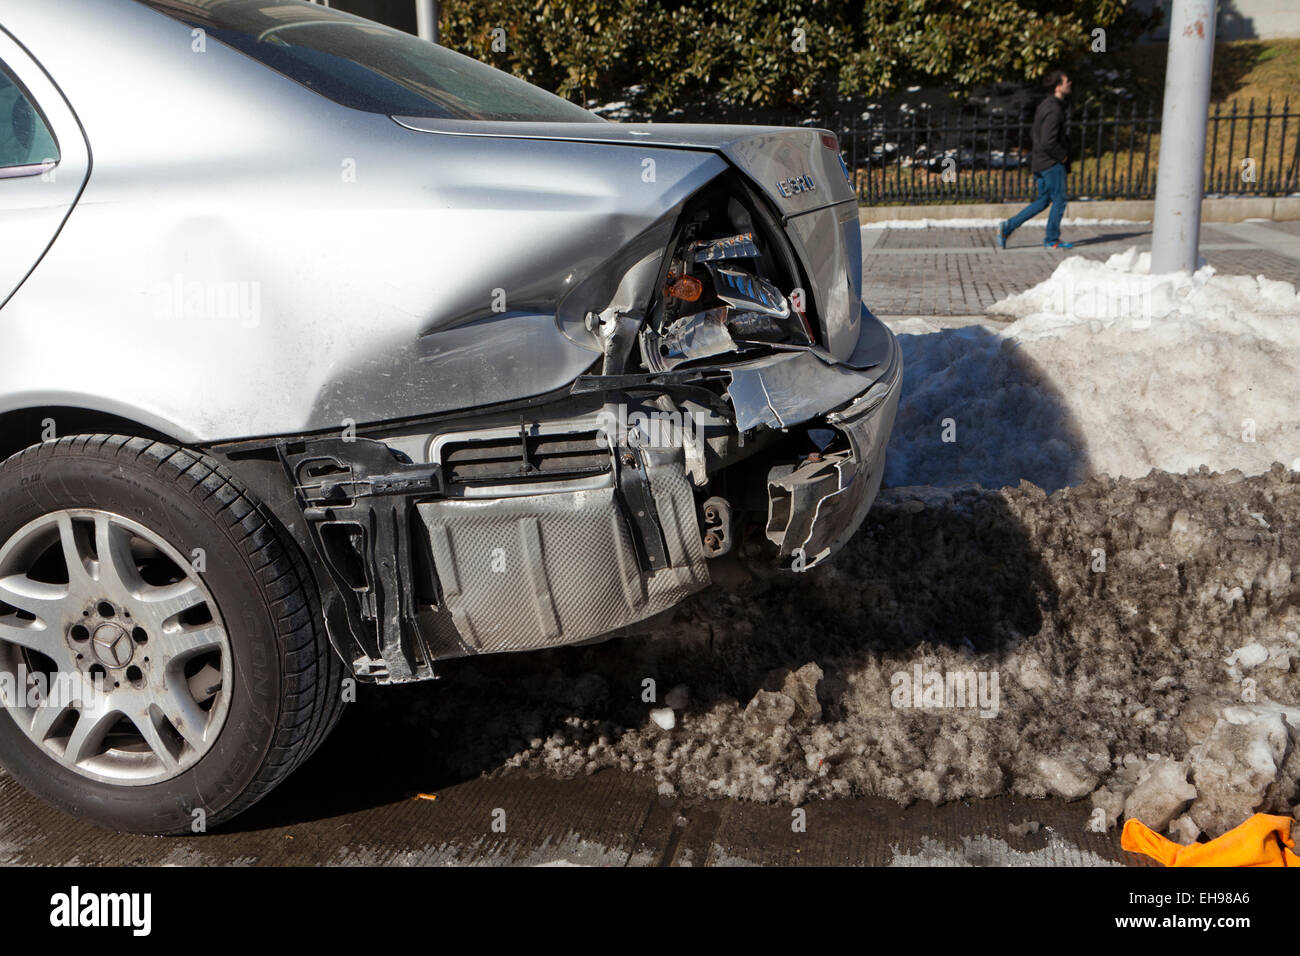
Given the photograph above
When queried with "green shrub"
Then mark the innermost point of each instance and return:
(777, 54)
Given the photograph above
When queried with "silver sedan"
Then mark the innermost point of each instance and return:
(330, 354)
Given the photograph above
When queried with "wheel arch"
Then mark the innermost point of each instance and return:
(260, 473)
(23, 427)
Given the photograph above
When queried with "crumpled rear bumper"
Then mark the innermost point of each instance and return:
(431, 562)
(535, 571)
(790, 388)
(816, 504)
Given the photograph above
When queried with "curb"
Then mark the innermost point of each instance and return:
(1235, 209)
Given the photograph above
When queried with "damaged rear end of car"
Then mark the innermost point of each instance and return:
(739, 396)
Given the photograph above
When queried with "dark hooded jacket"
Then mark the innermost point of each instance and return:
(1051, 141)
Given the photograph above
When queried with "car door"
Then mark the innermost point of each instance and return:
(44, 162)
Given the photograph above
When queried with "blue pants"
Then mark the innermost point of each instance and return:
(1051, 192)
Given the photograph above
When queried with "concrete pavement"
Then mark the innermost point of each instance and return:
(961, 272)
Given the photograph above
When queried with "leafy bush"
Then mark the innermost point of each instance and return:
(776, 54)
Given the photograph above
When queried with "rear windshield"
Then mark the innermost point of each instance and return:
(368, 66)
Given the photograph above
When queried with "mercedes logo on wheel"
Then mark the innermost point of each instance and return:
(113, 646)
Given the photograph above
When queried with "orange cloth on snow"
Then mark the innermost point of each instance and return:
(1263, 840)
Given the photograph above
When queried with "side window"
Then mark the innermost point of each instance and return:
(25, 140)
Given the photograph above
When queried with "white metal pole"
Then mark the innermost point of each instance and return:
(1180, 176)
(426, 19)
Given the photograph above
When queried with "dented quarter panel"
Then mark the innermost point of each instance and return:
(327, 263)
(822, 221)
(767, 154)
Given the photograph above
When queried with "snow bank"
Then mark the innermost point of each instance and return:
(1104, 627)
(1106, 370)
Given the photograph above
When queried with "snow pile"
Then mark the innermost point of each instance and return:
(1241, 758)
(992, 223)
(1108, 632)
(1162, 793)
(1107, 370)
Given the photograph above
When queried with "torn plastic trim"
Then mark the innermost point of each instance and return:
(355, 496)
(781, 390)
(802, 497)
(685, 383)
(816, 504)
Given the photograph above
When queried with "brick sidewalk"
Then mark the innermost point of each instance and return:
(960, 272)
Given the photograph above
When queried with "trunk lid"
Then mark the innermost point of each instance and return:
(769, 155)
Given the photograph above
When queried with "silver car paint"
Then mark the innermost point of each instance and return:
(768, 153)
(209, 229)
(330, 265)
(250, 260)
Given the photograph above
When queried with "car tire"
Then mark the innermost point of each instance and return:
(227, 697)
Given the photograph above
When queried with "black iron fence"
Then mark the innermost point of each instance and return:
(927, 155)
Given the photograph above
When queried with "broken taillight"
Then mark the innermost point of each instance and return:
(686, 288)
(832, 142)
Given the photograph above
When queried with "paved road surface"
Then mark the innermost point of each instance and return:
(358, 802)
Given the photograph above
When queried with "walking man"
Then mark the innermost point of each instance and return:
(1049, 162)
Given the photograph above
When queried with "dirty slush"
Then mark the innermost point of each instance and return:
(1163, 686)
